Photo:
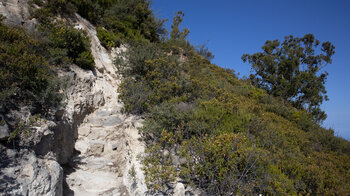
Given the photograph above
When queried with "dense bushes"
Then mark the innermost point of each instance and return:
(153, 71)
(107, 38)
(229, 163)
(65, 43)
(90, 9)
(132, 19)
(118, 20)
(125, 19)
(25, 73)
(222, 134)
(74, 43)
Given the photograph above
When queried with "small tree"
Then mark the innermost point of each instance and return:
(291, 70)
(175, 33)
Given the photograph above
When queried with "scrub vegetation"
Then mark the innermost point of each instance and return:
(26, 75)
(228, 135)
(204, 125)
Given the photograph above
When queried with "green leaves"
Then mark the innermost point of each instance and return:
(291, 70)
(128, 19)
(20, 66)
(85, 60)
(67, 42)
(25, 75)
(107, 38)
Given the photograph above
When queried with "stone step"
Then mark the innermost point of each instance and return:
(105, 121)
(100, 133)
(92, 163)
(90, 147)
(92, 182)
(96, 147)
(112, 121)
(103, 113)
(99, 163)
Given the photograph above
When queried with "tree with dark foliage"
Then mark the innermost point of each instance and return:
(292, 70)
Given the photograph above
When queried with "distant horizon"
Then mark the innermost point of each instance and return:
(232, 28)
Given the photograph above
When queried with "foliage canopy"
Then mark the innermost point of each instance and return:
(25, 74)
(291, 70)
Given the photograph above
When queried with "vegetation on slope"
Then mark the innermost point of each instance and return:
(118, 20)
(202, 123)
(25, 73)
(67, 44)
(221, 133)
(29, 63)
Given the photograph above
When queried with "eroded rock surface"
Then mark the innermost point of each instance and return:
(16, 13)
(108, 143)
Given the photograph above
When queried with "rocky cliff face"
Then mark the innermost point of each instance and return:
(17, 13)
(89, 147)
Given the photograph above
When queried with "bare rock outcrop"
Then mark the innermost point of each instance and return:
(4, 132)
(23, 173)
(16, 13)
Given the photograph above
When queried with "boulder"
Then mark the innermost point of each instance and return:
(179, 189)
(4, 132)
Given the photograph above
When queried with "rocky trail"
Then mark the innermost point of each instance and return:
(88, 147)
(108, 141)
(101, 167)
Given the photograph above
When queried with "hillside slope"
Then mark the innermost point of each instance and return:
(219, 133)
(104, 102)
(214, 131)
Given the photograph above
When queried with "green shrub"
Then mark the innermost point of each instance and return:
(58, 56)
(162, 76)
(43, 15)
(89, 9)
(137, 55)
(85, 60)
(228, 163)
(173, 117)
(129, 19)
(216, 117)
(108, 39)
(75, 42)
(67, 44)
(159, 172)
(133, 19)
(50, 8)
(135, 96)
(21, 68)
(25, 74)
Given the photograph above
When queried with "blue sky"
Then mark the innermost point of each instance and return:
(232, 27)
